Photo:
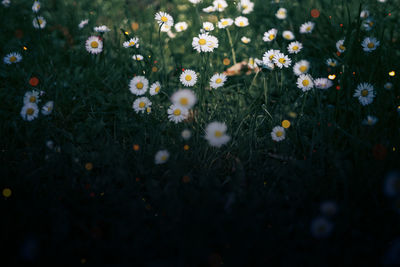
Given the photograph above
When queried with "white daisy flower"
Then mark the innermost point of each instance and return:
(364, 14)
(83, 23)
(278, 134)
(208, 26)
(281, 60)
(184, 98)
(220, 5)
(195, 1)
(164, 18)
(388, 86)
(212, 42)
(281, 13)
(161, 157)
(370, 120)
(365, 93)
(241, 21)
(94, 45)
(323, 83)
(186, 134)
(307, 27)
(39, 22)
(217, 80)
(301, 67)
(141, 104)
(288, 35)
(245, 40)
(270, 35)
(246, 6)
(368, 24)
(223, 23)
(50, 144)
(201, 43)
(137, 57)
(305, 82)
(6, 3)
(155, 88)
(138, 85)
(294, 47)
(36, 6)
(47, 108)
(331, 62)
(216, 134)
(29, 112)
(101, 29)
(177, 113)
(370, 44)
(181, 26)
(12, 58)
(209, 9)
(321, 227)
(133, 42)
(166, 28)
(188, 78)
(31, 97)
(340, 46)
(269, 56)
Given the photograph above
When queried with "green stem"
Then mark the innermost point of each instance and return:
(232, 48)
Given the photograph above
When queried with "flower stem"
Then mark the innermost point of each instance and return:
(231, 44)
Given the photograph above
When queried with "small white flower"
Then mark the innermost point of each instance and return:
(370, 44)
(47, 108)
(6, 3)
(208, 26)
(220, 5)
(163, 18)
(31, 97)
(281, 13)
(137, 57)
(94, 45)
(101, 29)
(223, 23)
(138, 85)
(216, 134)
(12, 58)
(365, 93)
(246, 6)
(204, 43)
(388, 86)
(368, 24)
(241, 21)
(36, 6)
(269, 56)
(161, 157)
(270, 35)
(188, 78)
(364, 14)
(340, 46)
(305, 82)
(331, 62)
(217, 80)
(282, 60)
(177, 113)
(370, 120)
(39, 22)
(142, 104)
(155, 88)
(83, 23)
(29, 112)
(288, 35)
(181, 26)
(195, 1)
(184, 98)
(301, 67)
(133, 42)
(209, 9)
(278, 133)
(295, 47)
(323, 83)
(245, 40)
(186, 134)
(307, 27)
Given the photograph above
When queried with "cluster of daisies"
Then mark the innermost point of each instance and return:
(30, 109)
(139, 85)
(39, 22)
(94, 44)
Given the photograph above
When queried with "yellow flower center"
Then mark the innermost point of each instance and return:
(40, 21)
(371, 45)
(142, 105)
(271, 57)
(225, 22)
(30, 111)
(342, 47)
(132, 43)
(219, 80)
(13, 59)
(32, 99)
(332, 64)
(177, 112)
(219, 6)
(184, 101)
(308, 28)
(157, 89)
(164, 19)
(364, 92)
(182, 27)
(241, 23)
(244, 6)
(287, 36)
(305, 82)
(164, 158)
(295, 48)
(188, 78)
(282, 60)
(94, 44)
(371, 24)
(303, 68)
(279, 133)
(271, 36)
(218, 133)
(202, 41)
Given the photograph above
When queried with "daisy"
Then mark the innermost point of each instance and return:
(321, 227)
(209, 9)
(29, 112)
(294, 47)
(220, 5)
(246, 6)
(278, 134)
(48, 108)
(39, 22)
(83, 23)
(141, 104)
(138, 85)
(281, 60)
(368, 24)
(165, 28)
(101, 29)
(170, 34)
(323, 83)
(186, 134)
(307, 27)
(331, 62)
(133, 42)
(370, 120)
(388, 86)
(270, 35)
(188, 78)
(164, 18)
(217, 80)
(177, 113)
(241, 21)
(181, 26)
(305, 82)
(31, 97)
(6, 3)
(340, 46)
(223, 23)
(155, 88)
(216, 134)
(36, 6)
(200, 43)
(301, 67)
(12, 58)
(195, 1)
(281, 13)
(208, 26)
(137, 57)
(288, 35)
(370, 44)
(365, 93)
(184, 98)
(245, 40)
(161, 157)
(269, 56)
(94, 45)
(364, 14)
(212, 42)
